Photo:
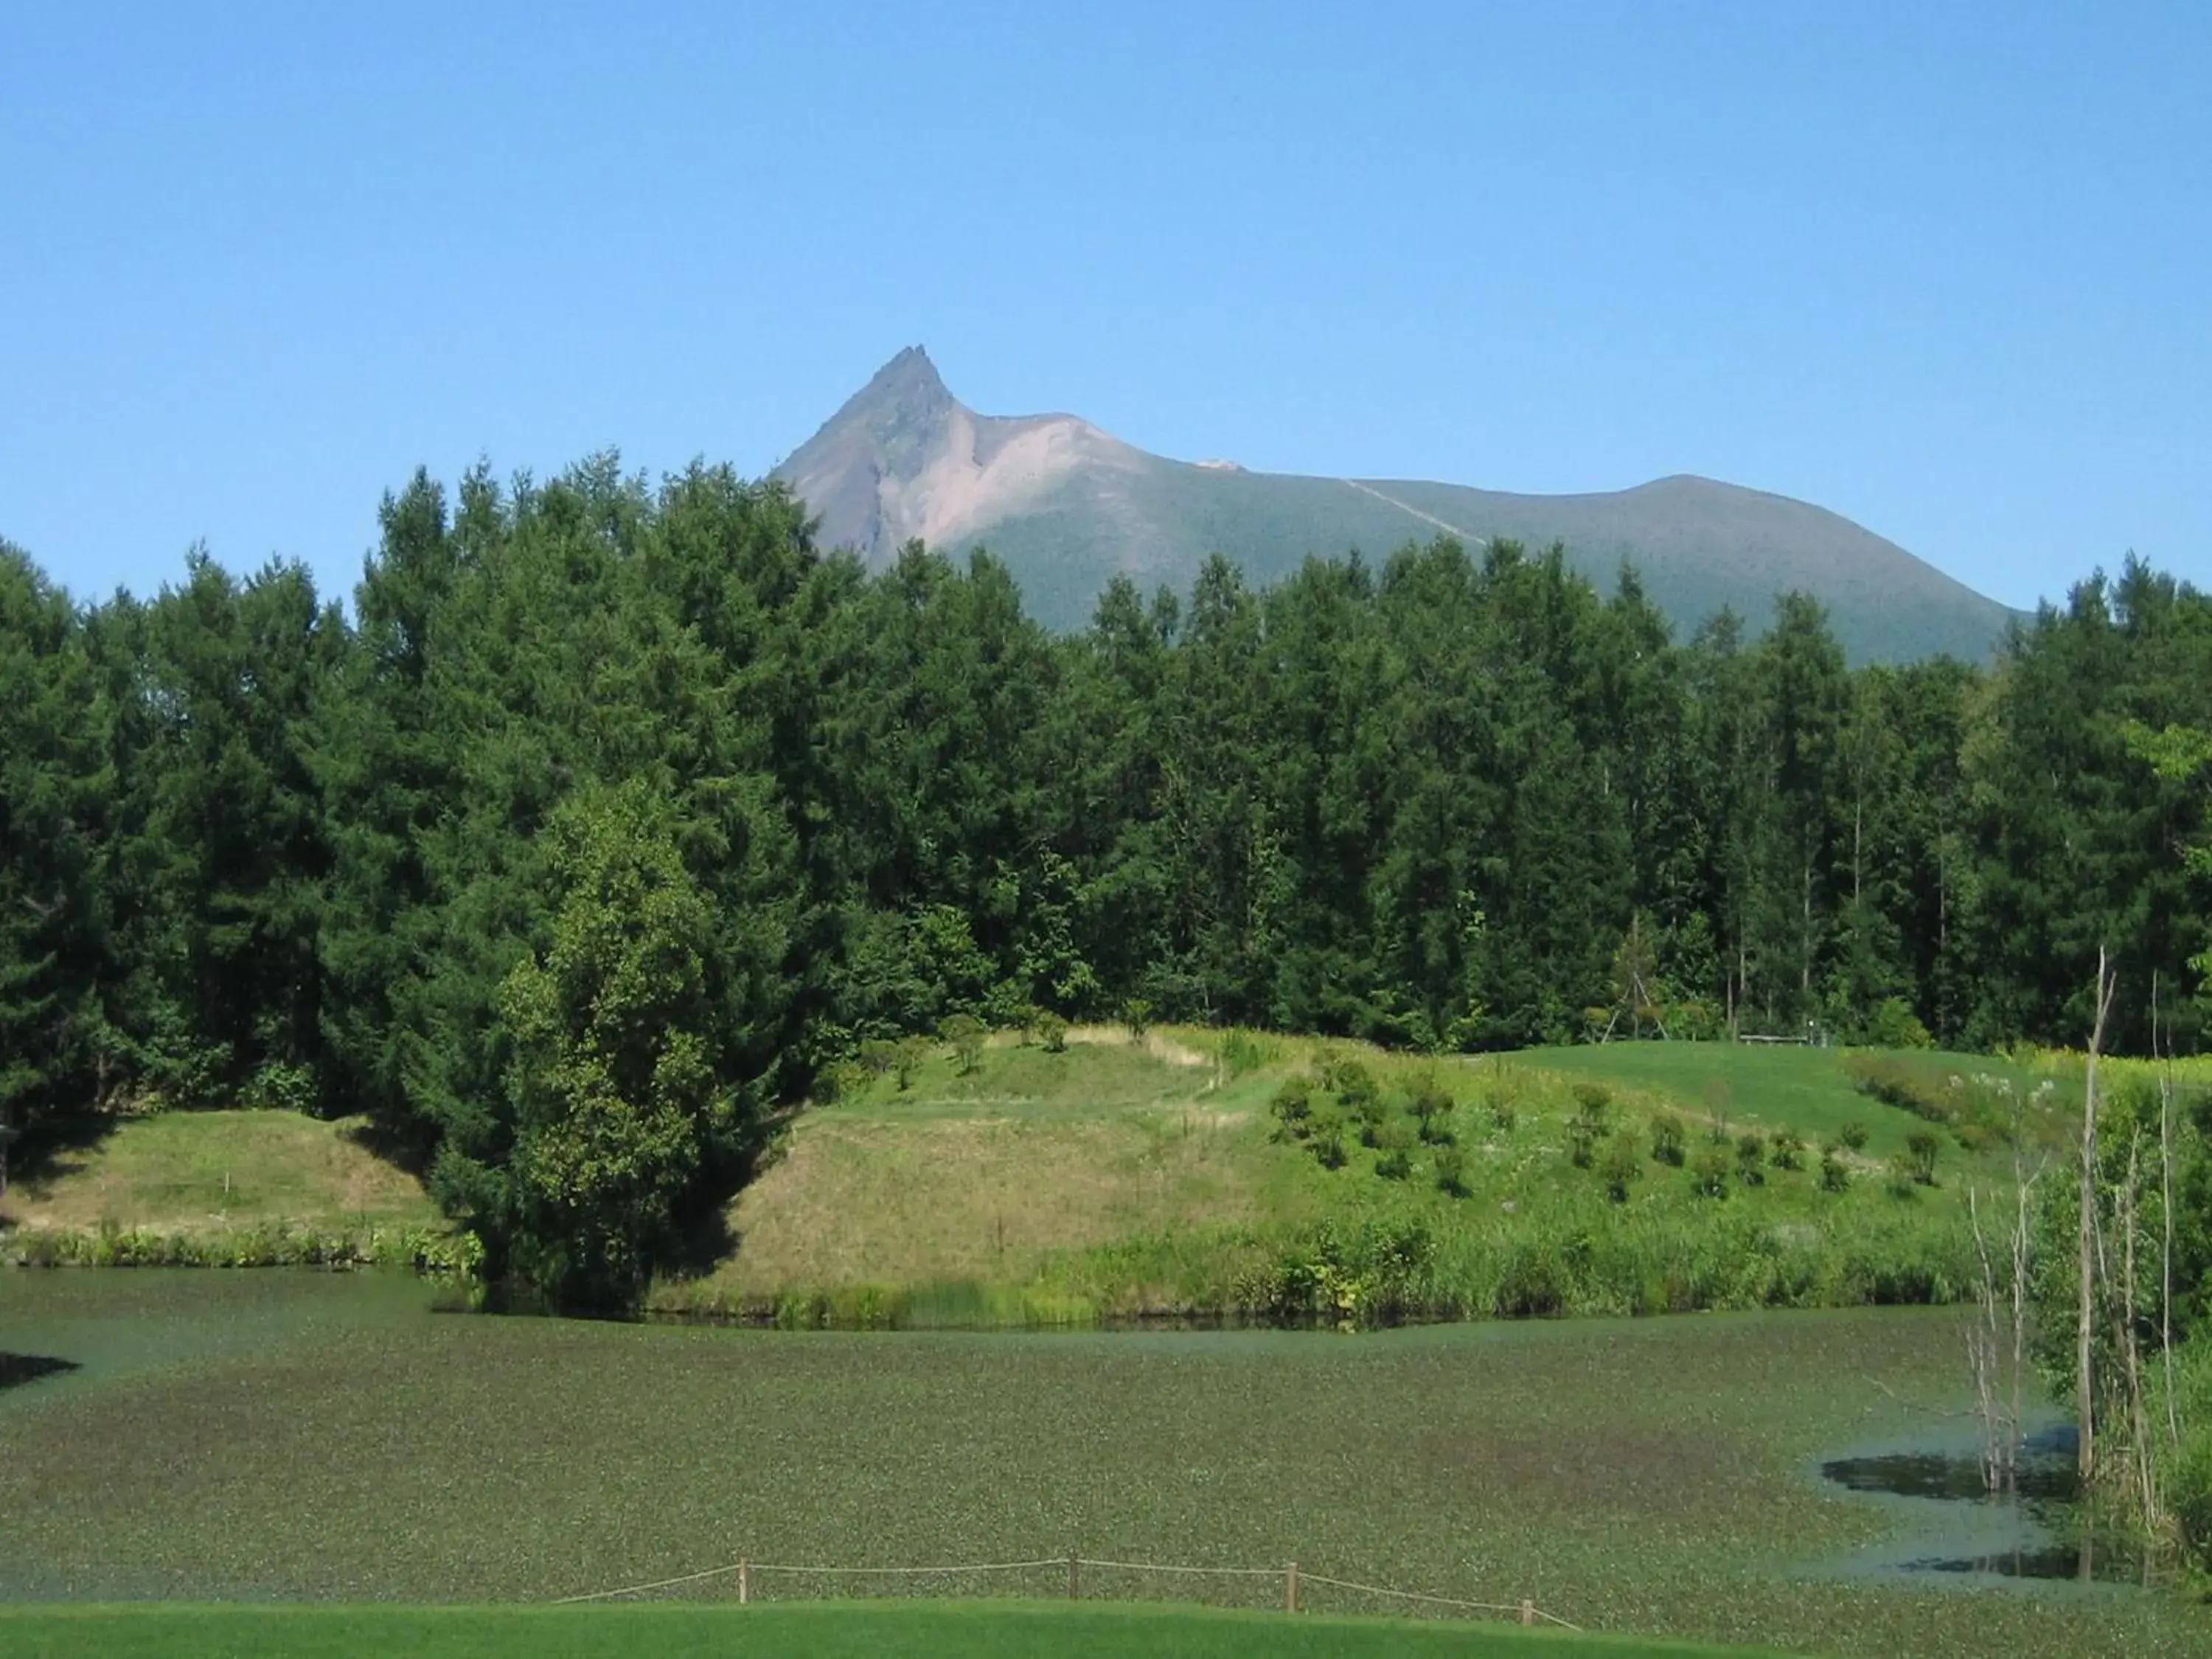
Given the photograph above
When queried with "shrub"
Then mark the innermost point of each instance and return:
(1624, 1162)
(1451, 1171)
(2188, 1464)
(1982, 1110)
(1896, 1081)
(1503, 1117)
(1667, 1144)
(1709, 1171)
(1395, 1165)
(1137, 1015)
(1327, 1140)
(1853, 1134)
(1788, 1150)
(1835, 1174)
(965, 1033)
(1592, 1102)
(1750, 1158)
(1582, 1144)
(1242, 1053)
(281, 1086)
(1977, 1137)
(1432, 1108)
(1052, 1031)
(2191, 1493)
(1903, 1181)
(1894, 1025)
(1372, 1112)
(1293, 1109)
(879, 1057)
(1353, 1085)
(1920, 1149)
(907, 1056)
(841, 1080)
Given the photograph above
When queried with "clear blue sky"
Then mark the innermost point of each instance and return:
(1945, 268)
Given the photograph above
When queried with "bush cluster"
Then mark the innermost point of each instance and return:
(1345, 1099)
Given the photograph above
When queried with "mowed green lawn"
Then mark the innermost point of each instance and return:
(1764, 1086)
(821, 1630)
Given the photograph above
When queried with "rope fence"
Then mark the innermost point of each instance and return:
(1294, 1580)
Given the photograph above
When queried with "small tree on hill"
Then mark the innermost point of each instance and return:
(908, 1055)
(1433, 1109)
(966, 1034)
(1623, 1163)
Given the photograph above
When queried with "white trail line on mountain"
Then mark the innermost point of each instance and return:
(1467, 537)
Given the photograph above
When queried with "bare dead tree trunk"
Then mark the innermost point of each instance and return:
(2130, 1347)
(2165, 1209)
(1984, 1361)
(2023, 1185)
(1858, 842)
(2086, 1417)
(1805, 935)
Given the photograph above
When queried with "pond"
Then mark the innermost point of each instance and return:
(274, 1434)
(1949, 1523)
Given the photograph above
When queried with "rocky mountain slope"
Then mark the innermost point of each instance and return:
(1067, 506)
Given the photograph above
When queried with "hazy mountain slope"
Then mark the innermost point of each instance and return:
(1067, 506)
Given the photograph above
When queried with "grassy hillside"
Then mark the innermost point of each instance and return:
(212, 1185)
(1121, 1180)
(1124, 1181)
(823, 1632)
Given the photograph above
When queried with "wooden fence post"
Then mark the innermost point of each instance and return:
(745, 1582)
(1291, 1588)
(1527, 1611)
(1074, 1577)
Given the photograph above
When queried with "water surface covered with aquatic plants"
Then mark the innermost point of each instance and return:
(294, 1435)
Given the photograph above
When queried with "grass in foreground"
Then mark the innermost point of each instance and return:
(821, 1630)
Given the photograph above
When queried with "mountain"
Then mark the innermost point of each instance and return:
(1067, 505)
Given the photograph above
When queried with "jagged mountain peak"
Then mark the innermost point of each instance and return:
(906, 397)
(904, 457)
(1067, 507)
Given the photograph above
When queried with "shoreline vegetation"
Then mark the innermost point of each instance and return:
(1491, 1215)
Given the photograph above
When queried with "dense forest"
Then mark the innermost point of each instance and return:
(611, 816)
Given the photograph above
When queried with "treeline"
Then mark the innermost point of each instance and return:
(613, 816)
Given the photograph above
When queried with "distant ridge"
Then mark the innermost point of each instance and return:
(1067, 506)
